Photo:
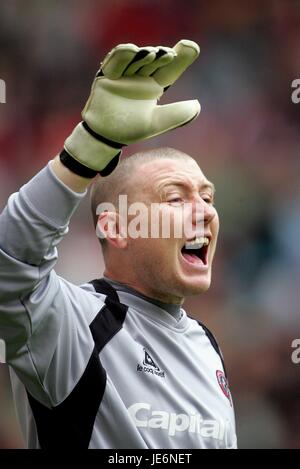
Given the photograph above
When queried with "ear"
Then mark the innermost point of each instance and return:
(111, 228)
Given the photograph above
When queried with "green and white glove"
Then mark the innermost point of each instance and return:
(122, 107)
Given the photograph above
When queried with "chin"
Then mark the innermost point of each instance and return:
(195, 286)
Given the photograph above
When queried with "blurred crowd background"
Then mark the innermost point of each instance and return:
(247, 140)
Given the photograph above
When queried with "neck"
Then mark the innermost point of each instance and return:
(143, 290)
(173, 309)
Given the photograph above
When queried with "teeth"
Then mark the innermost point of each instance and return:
(197, 243)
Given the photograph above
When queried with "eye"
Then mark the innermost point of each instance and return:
(176, 201)
(209, 199)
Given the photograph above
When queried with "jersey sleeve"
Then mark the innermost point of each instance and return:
(44, 319)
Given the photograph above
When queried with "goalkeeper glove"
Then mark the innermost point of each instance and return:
(122, 107)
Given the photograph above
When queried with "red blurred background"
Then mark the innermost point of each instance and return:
(246, 140)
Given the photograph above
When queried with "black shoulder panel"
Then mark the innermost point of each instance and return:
(70, 424)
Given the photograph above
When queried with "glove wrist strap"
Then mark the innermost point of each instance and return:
(77, 168)
(90, 150)
(81, 170)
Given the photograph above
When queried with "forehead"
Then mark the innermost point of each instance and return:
(159, 173)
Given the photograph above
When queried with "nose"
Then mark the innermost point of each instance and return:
(202, 212)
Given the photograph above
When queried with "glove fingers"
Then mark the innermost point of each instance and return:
(144, 56)
(187, 52)
(164, 56)
(174, 115)
(117, 60)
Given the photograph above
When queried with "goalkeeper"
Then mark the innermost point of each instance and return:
(116, 362)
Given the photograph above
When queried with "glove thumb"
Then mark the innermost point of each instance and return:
(174, 115)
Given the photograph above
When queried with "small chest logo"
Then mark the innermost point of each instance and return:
(149, 366)
(222, 380)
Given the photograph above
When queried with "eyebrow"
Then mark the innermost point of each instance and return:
(210, 185)
(206, 185)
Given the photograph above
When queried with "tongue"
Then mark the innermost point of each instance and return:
(191, 258)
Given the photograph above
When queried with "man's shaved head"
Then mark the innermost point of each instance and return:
(123, 179)
(158, 266)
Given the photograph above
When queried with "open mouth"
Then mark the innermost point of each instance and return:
(196, 251)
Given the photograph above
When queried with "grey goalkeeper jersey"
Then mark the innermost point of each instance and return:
(93, 366)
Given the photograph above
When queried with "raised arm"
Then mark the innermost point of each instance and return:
(44, 319)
